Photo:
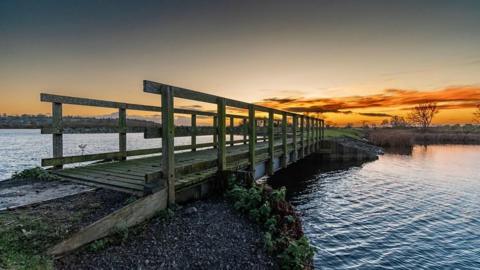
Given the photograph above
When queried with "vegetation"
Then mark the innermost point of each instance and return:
(407, 137)
(23, 240)
(283, 232)
(422, 115)
(35, 173)
(476, 114)
(343, 132)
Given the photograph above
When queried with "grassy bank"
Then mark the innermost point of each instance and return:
(407, 137)
(343, 132)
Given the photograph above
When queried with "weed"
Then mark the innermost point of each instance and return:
(35, 173)
(296, 254)
(283, 233)
(98, 245)
(23, 240)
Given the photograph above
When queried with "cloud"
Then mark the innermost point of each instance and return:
(454, 97)
(375, 114)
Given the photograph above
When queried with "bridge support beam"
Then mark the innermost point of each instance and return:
(194, 133)
(122, 133)
(252, 137)
(221, 130)
(302, 136)
(168, 135)
(284, 141)
(294, 138)
(57, 136)
(271, 144)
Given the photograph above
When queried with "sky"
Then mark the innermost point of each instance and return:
(350, 61)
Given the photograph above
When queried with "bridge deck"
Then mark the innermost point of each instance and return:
(191, 168)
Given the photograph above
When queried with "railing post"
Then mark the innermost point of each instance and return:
(232, 126)
(245, 130)
(284, 140)
(265, 129)
(251, 138)
(294, 137)
(307, 136)
(194, 133)
(302, 136)
(57, 135)
(312, 123)
(168, 135)
(122, 132)
(215, 131)
(323, 129)
(317, 145)
(271, 143)
(221, 153)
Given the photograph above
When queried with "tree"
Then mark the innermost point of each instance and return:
(476, 114)
(422, 114)
(398, 121)
(385, 123)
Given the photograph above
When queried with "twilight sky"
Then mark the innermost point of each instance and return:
(352, 61)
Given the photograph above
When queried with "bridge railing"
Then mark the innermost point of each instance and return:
(57, 130)
(310, 129)
(302, 134)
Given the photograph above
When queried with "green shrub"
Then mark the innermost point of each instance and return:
(283, 233)
(296, 255)
(35, 173)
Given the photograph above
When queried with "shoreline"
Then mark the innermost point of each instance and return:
(209, 232)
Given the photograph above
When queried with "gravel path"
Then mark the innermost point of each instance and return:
(207, 234)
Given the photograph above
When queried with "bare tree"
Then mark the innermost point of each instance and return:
(422, 114)
(398, 121)
(476, 114)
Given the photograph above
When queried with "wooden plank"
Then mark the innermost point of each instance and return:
(271, 141)
(221, 154)
(57, 137)
(156, 88)
(122, 135)
(112, 104)
(251, 138)
(100, 156)
(194, 133)
(128, 216)
(108, 181)
(155, 132)
(284, 140)
(168, 135)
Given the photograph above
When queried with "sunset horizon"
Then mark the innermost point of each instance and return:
(351, 63)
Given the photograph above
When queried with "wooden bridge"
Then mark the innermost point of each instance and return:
(271, 139)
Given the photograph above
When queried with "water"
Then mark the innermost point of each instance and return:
(418, 211)
(24, 148)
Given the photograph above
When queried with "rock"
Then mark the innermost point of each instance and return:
(191, 210)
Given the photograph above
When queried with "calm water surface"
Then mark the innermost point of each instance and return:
(419, 211)
(24, 148)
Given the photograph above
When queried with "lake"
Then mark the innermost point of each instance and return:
(418, 211)
(24, 148)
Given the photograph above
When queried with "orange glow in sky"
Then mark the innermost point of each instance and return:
(351, 61)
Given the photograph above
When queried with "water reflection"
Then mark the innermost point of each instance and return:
(401, 211)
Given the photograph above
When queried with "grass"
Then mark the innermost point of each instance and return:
(23, 239)
(407, 137)
(342, 132)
